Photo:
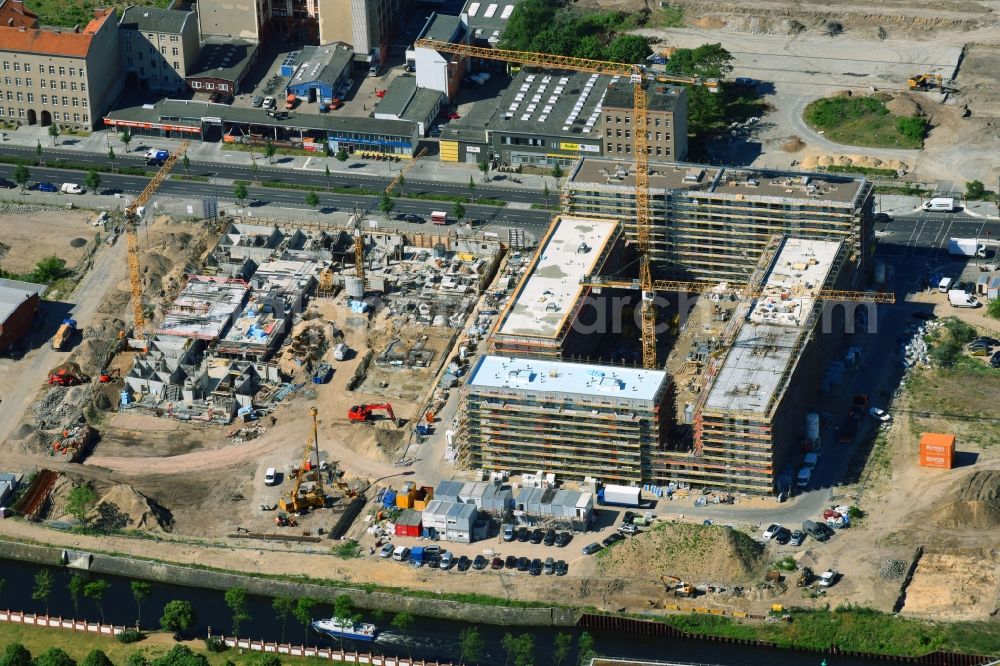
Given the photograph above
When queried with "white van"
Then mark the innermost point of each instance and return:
(270, 476)
(940, 205)
(340, 352)
(945, 284)
(71, 188)
(401, 553)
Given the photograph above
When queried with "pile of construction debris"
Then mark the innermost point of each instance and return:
(72, 443)
(309, 342)
(246, 433)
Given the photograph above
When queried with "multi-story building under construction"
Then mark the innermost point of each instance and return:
(713, 223)
(572, 419)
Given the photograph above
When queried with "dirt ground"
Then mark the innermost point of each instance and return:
(960, 586)
(34, 233)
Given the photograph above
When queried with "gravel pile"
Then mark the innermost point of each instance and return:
(7, 208)
(892, 569)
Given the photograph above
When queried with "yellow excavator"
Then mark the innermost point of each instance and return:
(925, 81)
(315, 497)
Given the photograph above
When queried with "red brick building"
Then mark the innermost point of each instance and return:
(18, 305)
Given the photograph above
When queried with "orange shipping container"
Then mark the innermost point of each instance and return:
(937, 442)
(934, 460)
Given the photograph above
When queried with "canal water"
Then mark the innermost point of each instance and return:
(427, 638)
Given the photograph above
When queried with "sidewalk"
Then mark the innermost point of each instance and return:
(896, 204)
(202, 154)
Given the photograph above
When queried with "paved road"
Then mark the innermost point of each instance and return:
(33, 370)
(919, 234)
(532, 221)
(302, 176)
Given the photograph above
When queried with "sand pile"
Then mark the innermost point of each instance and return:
(816, 161)
(122, 507)
(694, 553)
(976, 504)
(793, 145)
(904, 105)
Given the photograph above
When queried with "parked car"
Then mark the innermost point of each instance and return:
(563, 539)
(771, 530)
(510, 562)
(826, 529)
(980, 350)
(591, 548)
(496, 564)
(550, 538)
(535, 568)
(628, 528)
(995, 360)
(827, 578)
(523, 563)
(479, 563)
(270, 476)
(798, 536)
(451, 115)
(386, 551)
(71, 188)
(446, 559)
(815, 530)
(269, 102)
(612, 539)
(987, 340)
(879, 414)
(537, 536)
(401, 553)
(7, 184)
(550, 566)
(46, 187)
(463, 563)
(783, 536)
(257, 101)
(508, 532)
(883, 217)
(561, 568)
(523, 535)
(628, 517)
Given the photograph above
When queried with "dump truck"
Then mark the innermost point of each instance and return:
(966, 247)
(64, 334)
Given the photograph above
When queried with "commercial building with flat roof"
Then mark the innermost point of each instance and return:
(713, 223)
(571, 419)
(159, 47)
(222, 65)
(539, 316)
(487, 20)
(63, 76)
(239, 19)
(404, 100)
(749, 419)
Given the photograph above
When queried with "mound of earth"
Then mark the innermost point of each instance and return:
(904, 105)
(976, 503)
(793, 145)
(694, 553)
(123, 507)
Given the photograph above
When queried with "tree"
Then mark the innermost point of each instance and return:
(96, 658)
(590, 46)
(95, 591)
(401, 184)
(137, 659)
(111, 156)
(49, 270)
(303, 613)
(472, 645)
(707, 61)
(140, 592)
(342, 154)
(54, 133)
(993, 309)
(914, 128)
(312, 199)
(75, 587)
(974, 189)
(178, 616)
(386, 204)
(458, 211)
(82, 498)
(269, 151)
(16, 654)
(38, 151)
(126, 138)
(54, 657)
(266, 660)
(705, 110)
(520, 649)
(43, 588)
(546, 193)
(254, 170)
(283, 607)
(186, 161)
(557, 171)
(472, 190)
(561, 648)
(240, 192)
(631, 49)
(93, 180)
(327, 167)
(402, 622)
(236, 599)
(585, 648)
(180, 655)
(484, 166)
(21, 175)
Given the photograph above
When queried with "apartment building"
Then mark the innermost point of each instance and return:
(666, 114)
(713, 223)
(64, 76)
(13, 14)
(159, 47)
(571, 419)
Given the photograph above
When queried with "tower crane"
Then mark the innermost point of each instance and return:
(639, 79)
(132, 236)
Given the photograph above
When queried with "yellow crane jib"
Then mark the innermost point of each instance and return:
(131, 228)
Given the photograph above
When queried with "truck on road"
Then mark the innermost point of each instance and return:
(966, 247)
(961, 299)
(618, 496)
(939, 205)
(155, 156)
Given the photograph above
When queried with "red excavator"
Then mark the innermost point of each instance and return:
(107, 375)
(365, 413)
(63, 377)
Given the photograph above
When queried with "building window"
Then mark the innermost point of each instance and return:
(609, 132)
(27, 67)
(83, 102)
(76, 117)
(196, 84)
(610, 147)
(618, 133)
(72, 86)
(177, 66)
(10, 96)
(27, 82)
(72, 71)
(76, 102)
(6, 66)
(65, 101)
(52, 84)
(62, 85)
(81, 73)
(618, 120)
(2, 112)
(20, 113)
(658, 151)
(62, 71)
(42, 83)
(17, 66)
(31, 98)
(628, 149)
(130, 65)
(17, 82)
(45, 99)
(52, 69)
(86, 118)
(175, 51)
(210, 86)
(150, 35)
(224, 87)
(628, 134)
(657, 136)
(657, 122)
(83, 87)
(20, 97)
(173, 38)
